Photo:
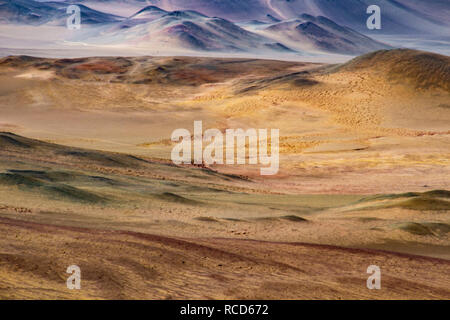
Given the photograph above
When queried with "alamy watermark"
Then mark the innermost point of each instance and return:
(74, 20)
(374, 281)
(374, 21)
(194, 152)
(74, 280)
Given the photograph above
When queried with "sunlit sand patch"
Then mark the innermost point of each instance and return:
(337, 147)
(37, 74)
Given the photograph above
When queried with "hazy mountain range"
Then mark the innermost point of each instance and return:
(399, 16)
(290, 26)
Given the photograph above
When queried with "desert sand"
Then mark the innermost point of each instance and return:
(86, 178)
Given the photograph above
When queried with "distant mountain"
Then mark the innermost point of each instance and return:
(320, 33)
(38, 13)
(173, 30)
(148, 13)
(398, 16)
(179, 30)
(183, 30)
(123, 8)
(25, 11)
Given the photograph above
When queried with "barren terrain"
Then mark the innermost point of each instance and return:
(86, 178)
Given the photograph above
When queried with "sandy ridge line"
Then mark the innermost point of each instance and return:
(200, 245)
(137, 173)
(379, 252)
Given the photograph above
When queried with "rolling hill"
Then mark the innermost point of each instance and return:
(416, 68)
